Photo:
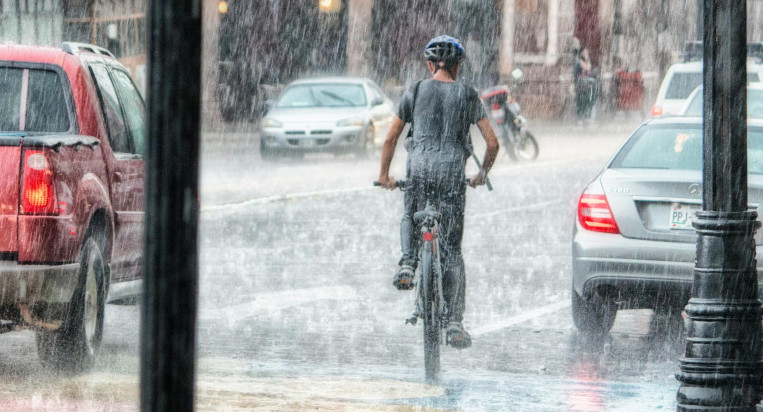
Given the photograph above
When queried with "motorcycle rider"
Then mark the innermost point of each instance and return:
(442, 110)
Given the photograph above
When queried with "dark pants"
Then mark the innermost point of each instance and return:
(448, 196)
(585, 98)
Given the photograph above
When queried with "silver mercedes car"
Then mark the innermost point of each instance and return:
(329, 114)
(633, 244)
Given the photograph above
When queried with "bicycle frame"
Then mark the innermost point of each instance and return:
(429, 250)
(430, 301)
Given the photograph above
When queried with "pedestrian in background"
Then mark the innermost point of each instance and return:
(586, 86)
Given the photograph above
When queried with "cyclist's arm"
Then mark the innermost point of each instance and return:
(490, 152)
(388, 151)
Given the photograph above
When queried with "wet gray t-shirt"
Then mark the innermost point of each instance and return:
(442, 115)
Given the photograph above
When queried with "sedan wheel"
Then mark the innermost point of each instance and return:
(594, 316)
(367, 146)
(267, 153)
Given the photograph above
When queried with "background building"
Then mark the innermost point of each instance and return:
(252, 48)
(31, 22)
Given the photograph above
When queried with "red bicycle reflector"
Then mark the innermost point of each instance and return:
(428, 236)
(595, 214)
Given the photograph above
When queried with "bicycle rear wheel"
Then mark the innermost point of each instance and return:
(431, 314)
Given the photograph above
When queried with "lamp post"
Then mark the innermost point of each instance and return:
(721, 370)
(170, 270)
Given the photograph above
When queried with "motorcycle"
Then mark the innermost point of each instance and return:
(505, 112)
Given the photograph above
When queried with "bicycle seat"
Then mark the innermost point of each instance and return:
(423, 215)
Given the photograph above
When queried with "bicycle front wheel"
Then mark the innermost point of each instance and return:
(431, 314)
(526, 147)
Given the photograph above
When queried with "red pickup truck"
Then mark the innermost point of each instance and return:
(72, 134)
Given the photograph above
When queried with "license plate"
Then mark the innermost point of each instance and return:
(308, 142)
(681, 216)
(497, 115)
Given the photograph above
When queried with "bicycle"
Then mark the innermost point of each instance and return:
(430, 303)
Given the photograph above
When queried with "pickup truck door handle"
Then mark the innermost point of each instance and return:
(116, 177)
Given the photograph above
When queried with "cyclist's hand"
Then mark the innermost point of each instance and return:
(477, 180)
(388, 182)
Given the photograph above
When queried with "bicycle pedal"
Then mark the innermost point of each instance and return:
(412, 321)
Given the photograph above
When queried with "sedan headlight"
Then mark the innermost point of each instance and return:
(352, 121)
(271, 122)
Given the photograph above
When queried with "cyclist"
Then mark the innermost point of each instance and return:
(441, 111)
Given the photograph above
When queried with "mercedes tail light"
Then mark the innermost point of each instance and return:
(595, 214)
(38, 193)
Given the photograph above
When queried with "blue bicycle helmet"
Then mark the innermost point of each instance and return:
(444, 49)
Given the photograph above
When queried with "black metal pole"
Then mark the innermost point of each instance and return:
(170, 273)
(721, 370)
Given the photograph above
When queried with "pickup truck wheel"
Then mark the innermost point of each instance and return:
(75, 345)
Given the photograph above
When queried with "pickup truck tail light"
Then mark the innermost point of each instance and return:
(38, 192)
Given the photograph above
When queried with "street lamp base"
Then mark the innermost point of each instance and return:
(737, 398)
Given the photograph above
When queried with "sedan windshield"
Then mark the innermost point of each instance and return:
(323, 95)
(678, 147)
(754, 104)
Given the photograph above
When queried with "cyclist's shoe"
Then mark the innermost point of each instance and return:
(404, 278)
(457, 336)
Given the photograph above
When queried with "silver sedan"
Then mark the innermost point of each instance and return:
(330, 114)
(633, 245)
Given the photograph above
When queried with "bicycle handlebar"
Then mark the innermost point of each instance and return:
(402, 184)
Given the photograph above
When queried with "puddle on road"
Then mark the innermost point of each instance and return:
(315, 393)
(92, 392)
(231, 383)
(119, 392)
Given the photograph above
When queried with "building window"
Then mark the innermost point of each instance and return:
(531, 30)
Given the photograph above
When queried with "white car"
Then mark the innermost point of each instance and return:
(328, 114)
(682, 78)
(693, 107)
(633, 243)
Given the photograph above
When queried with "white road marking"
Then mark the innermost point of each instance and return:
(521, 318)
(274, 301)
(281, 198)
(513, 209)
(317, 193)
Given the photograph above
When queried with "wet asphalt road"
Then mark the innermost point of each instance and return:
(297, 310)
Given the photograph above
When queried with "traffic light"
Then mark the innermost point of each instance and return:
(222, 7)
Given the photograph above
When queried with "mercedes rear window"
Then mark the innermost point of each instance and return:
(678, 147)
(754, 104)
(33, 100)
